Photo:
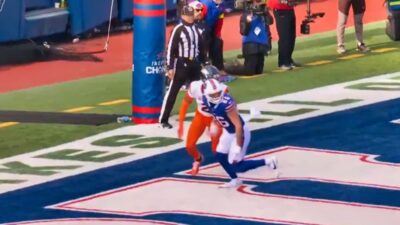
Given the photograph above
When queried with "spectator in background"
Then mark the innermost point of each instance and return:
(198, 10)
(254, 27)
(213, 13)
(358, 11)
(199, 14)
(179, 6)
(285, 20)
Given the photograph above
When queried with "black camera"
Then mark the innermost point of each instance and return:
(247, 5)
(310, 18)
(289, 2)
(305, 27)
(257, 9)
(242, 4)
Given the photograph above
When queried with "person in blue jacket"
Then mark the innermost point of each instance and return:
(254, 27)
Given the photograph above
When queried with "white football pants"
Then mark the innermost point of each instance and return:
(227, 142)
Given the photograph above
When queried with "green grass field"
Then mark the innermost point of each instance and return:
(23, 138)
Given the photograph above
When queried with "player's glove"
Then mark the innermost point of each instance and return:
(234, 154)
(214, 129)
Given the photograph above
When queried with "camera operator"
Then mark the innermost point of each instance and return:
(254, 27)
(285, 20)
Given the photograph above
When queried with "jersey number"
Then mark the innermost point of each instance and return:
(221, 120)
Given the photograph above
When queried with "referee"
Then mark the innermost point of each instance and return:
(185, 54)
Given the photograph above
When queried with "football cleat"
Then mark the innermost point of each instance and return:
(272, 162)
(232, 183)
(195, 168)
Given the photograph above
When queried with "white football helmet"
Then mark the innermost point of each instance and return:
(210, 71)
(213, 91)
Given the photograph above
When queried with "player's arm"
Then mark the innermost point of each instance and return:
(245, 20)
(187, 100)
(233, 115)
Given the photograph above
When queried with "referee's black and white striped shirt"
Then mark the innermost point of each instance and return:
(185, 42)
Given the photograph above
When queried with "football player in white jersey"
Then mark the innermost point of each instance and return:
(235, 138)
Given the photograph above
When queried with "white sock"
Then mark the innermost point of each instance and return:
(267, 161)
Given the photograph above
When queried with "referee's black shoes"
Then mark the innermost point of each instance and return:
(166, 125)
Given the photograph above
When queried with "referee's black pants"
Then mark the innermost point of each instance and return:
(286, 26)
(185, 71)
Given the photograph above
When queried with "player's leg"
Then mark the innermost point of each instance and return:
(222, 157)
(237, 157)
(215, 131)
(249, 164)
(242, 165)
(196, 129)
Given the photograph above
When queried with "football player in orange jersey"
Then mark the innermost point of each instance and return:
(202, 120)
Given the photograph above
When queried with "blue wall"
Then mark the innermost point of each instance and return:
(11, 18)
(87, 14)
(17, 23)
